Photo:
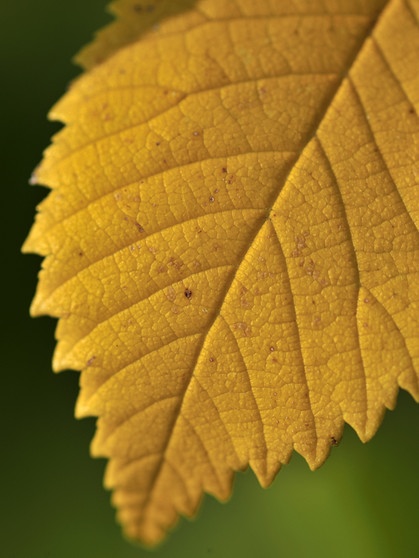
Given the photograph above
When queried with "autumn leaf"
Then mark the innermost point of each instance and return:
(231, 242)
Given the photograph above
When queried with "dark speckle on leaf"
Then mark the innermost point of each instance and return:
(90, 361)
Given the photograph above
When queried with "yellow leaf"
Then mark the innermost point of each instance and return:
(231, 242)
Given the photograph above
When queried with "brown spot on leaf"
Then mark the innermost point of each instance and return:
(188, 293)
(173, 262)
(91, 361)
(300, 244)
(244, 328)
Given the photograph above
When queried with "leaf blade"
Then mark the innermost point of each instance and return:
(263, 255)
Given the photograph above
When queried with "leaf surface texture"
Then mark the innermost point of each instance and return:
(231, 241)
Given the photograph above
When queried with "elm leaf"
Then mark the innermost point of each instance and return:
(231, 239)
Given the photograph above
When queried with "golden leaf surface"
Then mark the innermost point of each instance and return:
(231, 241)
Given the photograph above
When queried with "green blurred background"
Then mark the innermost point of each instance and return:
(362, 503)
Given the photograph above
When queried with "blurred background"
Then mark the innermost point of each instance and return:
(363, 502)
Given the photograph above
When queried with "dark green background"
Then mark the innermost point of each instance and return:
(362, 503)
